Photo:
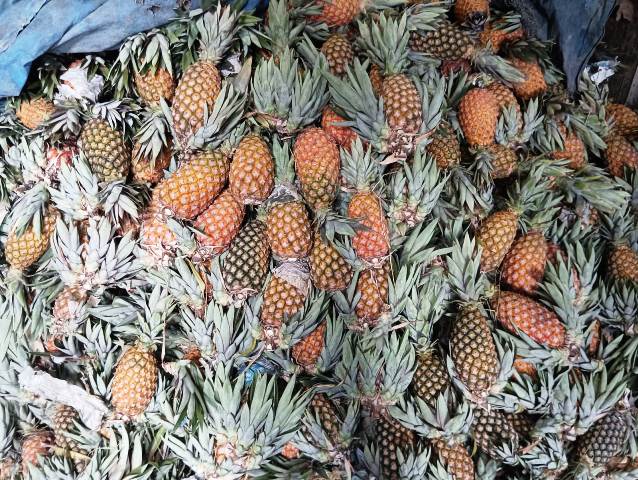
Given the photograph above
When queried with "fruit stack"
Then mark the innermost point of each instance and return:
(353, 239)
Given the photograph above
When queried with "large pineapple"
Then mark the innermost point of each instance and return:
(317, 165)
(392, 437)
(524, 264)
(219, 224)
(134, 381)
(329, 270)
(25, 248)
(534, 82)
(252, 170)
(246, 264)
(200, 84)
(194, 185)
(106, 150)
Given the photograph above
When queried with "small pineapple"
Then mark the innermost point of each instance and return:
(445, 148)
(518, 312)
(491, 429)
(573, 148)
(67, 307)
(152, 86)
(373, 288)
(339, 52)
(457, 459)
(317, 165)
(284, 296)
(106, 150)
(344, 136)
(503, 161)
(499, 32)
(306, 352)
(33, 113)
(620, 153)
(534, 83)
(430, 377)
(603, 440)
(34, 445)
(194, 185)
(625, 120)
(220, 223)
(478, 116)
(329, 270)
(246, 264)
(147, 169)
(623, 263)
(338, 12)
(524, 264)
(157, 239)
(496, 234)
(63, 420)
(134, 381)
(24, 249)
(391, 437)
(252, 170)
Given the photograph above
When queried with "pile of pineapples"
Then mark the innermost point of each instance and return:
(355, 239)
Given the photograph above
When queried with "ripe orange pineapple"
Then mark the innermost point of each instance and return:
(307, 351)
(402, 104)
(524, 367)
(194, 185)
(625, 120)
(474, 12)
(149, 170)
(524, 264)
(157, 240)
(457, 459)
(152, 86)
(338, 51)
(495, 236)
(284, 296)
(252, 170)
(376, 78)
(22, 251)
(620, 153)
(445, 148)
(495, 37)
(623, 263)
(35, 445)
(220, 224)
(134, 381)
(338, 12)
(371, 244)
(288, 229)
(33, 113)
(329, 270)
(317, 165)
(518, 312)
(344, 136)
(534, 83)
(574, 148)
(478, 116)
(373, 287)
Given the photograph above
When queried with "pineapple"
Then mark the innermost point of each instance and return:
(624, 120)
(376, 79)
(194, 185)
(620, 153)
(430, 377)
(503, 161)
(361, 171)
(490, 429)
(134, 381)
(67, 307)
(472, 12)
(106, 150)
(63, 420)
(147, 169)
(457, 459)
(219, 224)
(623, 263)
(504, 96)
(372, 287)
(24, 249)
(534, 82)
(522, 423)
(478, 116)
(246, 264)
(306, 352)
(329, 270)
(525, 368)
(35, 445)
(445, 148)
(339, 52)
(501, 31)
(495, 236)
(573, 148)
(33, 113)
(200, 84)
(317, 165)
(518, 312)
(284, 296)
(251, 177)
(343, 136)
(338, 12)
(524, 264)
(391, 437)
(287, 222)
(152, 86)
(604, 439)
(157, 239)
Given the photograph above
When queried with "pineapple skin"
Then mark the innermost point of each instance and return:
(106, 151)
(534, 83)
(447, 42)
(22, 251)
(281, 300)
(490, 428)
(623, 263)
(495, 236)
(134, 382)
(603, 439)
(469, 10)
(392, 436)
(371, 244)
(402, 104)
(220, 224)
(289, 231)
(338, 12)
(524, 265)
(430, 377)
(478, 116)
(153, 86)
(34, 445)
(445, 148)
(620, 153)
(33, 113)
(317, 165)
(373, 287)
(457, 459)
(147, 170)
(338, 52)
(306, 352)
(344, 136)
(625, 120)
(504, 161)
(252, 171)
(329, 270)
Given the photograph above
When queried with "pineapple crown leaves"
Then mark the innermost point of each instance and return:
(425, 17)
(281, 31)
(497, 66)
(599, 395)
(426, 305)
(509, 131)
(214, 31)
(414, 465)
(119, 114)
(355, 97)
(28, 156)
(533, 199)
(432, 94)
(291, 97)
(360, 169)
(7, 426)
(464, 271)
(618, 225)
(183, 281)
(385, 40)
(469, 192)
(447, 419)
(284, 164)
(106, 262)
(153, 135)
(619, 306)
(547, 455)
(331, 352)
(301, 324)
(398, 367)
(416, 248)
(29, 210)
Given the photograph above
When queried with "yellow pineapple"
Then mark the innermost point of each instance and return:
(252, 170)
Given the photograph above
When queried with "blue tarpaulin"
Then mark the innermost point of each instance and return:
(29, 28)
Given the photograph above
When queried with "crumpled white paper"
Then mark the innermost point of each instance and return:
(76, 85)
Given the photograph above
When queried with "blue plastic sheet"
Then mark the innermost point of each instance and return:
(30, 28)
